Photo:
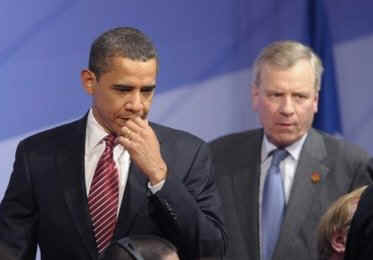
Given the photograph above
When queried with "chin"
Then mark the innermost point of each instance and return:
(284, 140)
(290, 141)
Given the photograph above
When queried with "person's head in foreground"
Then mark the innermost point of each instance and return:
(142, 247)
(334, 226)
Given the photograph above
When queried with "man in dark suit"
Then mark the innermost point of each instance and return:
(360, 236)
(295, 190)
(77, 187)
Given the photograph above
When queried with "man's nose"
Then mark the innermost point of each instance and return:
(135, 102)
(287, 106)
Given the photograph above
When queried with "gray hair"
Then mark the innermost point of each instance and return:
(285, 54)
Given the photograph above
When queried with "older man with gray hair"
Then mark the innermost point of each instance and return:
(277, 181)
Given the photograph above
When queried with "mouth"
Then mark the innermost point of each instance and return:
(123, 120)
(286, 125)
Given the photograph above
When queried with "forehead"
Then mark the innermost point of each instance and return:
(299, 76)
(132, 66)
(130, 72)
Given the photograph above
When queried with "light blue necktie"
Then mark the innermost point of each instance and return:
(273, 205)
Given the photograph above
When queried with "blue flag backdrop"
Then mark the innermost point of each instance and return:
(319, 37)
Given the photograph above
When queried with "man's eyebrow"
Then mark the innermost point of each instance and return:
(129, 87)
(150, 86)
(122, 86)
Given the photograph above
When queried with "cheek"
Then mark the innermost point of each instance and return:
(267, 116)
(103, 98)
(147, 103)
(268, 109)
(111, 105)
(306, 116)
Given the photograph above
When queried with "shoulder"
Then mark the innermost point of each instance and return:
(172, 136)
(235, 140)
(342, 148)
(181, 150)
(56, 136)
(344, 159)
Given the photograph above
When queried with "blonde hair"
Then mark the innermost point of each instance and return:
(336, 219)
(285, 54)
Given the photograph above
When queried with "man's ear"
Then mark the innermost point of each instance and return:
(89, 81)
(316, 102)
(254, 97)
(338, 241)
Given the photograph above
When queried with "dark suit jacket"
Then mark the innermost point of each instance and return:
(360, 236)
(46, 202)
(237, 162)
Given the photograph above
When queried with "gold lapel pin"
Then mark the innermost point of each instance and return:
(315, 177)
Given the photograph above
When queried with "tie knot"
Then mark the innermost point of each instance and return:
(110, 141)
(277, 156)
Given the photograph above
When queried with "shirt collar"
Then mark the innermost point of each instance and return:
(293, 149)
(95, 133)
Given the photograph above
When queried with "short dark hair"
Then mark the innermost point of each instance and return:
(125, 42)
(146, 247)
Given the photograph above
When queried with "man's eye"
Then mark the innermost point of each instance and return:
(148, 89)
(300, 96)
(275, 94)
(123, 89)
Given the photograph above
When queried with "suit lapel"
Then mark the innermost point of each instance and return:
(133, 200)
(70, 163)
(246, 183)
(305, 189)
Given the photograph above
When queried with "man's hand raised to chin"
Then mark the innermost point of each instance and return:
(139, 139)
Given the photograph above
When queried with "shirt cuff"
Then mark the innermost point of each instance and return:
(156, 187)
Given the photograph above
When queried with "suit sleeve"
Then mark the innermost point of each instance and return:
(189, 209)
(18, 212)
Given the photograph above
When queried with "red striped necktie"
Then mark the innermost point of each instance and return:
(103, 196)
